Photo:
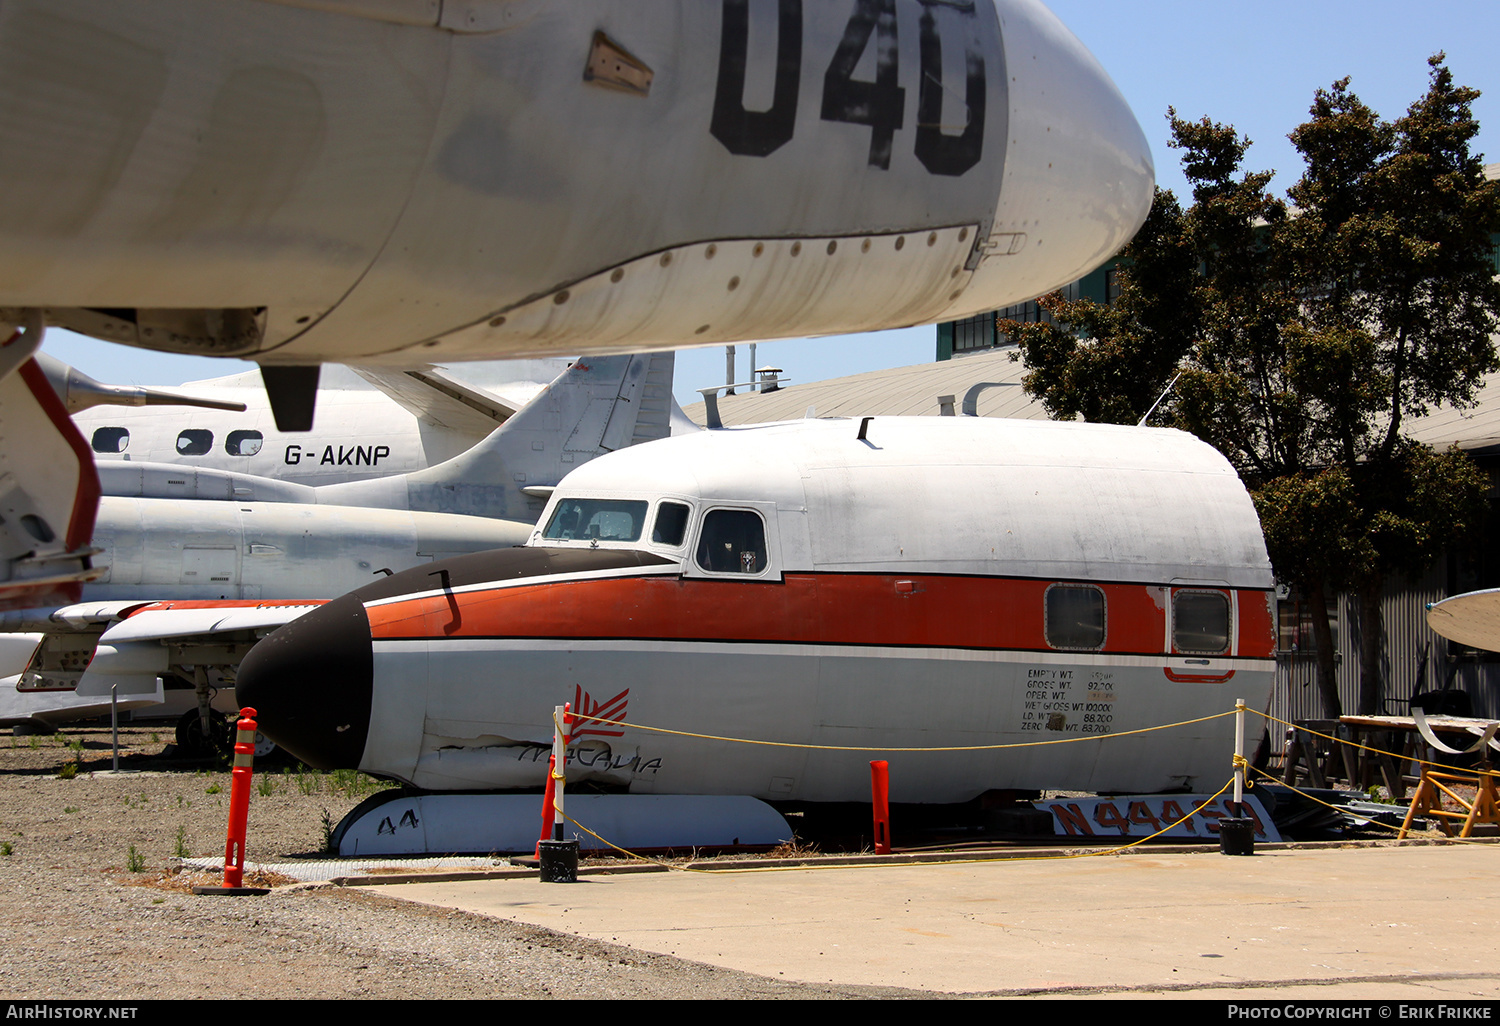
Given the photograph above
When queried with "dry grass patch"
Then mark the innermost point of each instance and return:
(174, 878)
(796, 848)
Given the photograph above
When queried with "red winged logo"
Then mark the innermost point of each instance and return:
(586, 710)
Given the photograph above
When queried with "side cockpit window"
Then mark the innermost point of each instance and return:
(733, 541)
(194, 442)
(671, 524)
(597, 520)
(110, 439)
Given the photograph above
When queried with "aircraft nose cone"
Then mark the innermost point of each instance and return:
(310, 683)
(1079, 177)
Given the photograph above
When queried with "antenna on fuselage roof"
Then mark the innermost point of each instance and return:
(1142, 421)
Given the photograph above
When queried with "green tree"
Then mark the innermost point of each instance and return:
(1301, 338)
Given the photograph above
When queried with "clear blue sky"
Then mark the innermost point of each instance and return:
(1253, 65)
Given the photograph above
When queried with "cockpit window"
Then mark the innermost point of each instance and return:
(671, 523)
(601, 519)
(733, 542)
(243, 443)
(111, 439)
(194, 442)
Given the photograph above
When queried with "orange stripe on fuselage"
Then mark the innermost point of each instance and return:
(833, 609)
(1257, 623)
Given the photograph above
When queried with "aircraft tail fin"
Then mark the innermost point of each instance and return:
(597, 405)
(49, 491)
(653, 417)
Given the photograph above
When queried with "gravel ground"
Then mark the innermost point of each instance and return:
(80, 924)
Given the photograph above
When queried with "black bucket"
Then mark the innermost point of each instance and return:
(1236, 836)
(559, 861)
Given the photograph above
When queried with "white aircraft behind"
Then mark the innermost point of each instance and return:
(372, 423)
(398, 182)
(268, 547)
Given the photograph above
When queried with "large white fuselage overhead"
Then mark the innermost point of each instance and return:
(906, 583)
(298, 181)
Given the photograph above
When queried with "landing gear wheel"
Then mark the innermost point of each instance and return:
(264, 746)
(268, 754)
(192, 743)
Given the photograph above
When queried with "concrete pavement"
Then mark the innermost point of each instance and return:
(1368, 922)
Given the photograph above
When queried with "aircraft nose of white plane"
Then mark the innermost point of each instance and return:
(310, 683)
(1078, 177)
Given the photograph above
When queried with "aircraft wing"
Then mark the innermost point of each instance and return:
(160, 621)
(429, 394)
(49, 491)
(98, 652)
(90, 646)
(91, 617)
(167, 637)
(1471, 619)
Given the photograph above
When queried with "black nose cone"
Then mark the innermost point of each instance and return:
(310, 683)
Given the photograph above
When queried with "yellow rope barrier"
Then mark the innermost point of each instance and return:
(558, 726)
(1238, 762)
(882, 748)
(925, 862)
(1018, 744)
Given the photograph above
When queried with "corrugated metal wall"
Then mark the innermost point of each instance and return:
(1413, 658)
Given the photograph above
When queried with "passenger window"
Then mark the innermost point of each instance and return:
(599, 519)
(243, 443)
(733, 542)
(111, 439)
(1074, 617)
(1200, 622)
(194, 442)
(671, 523)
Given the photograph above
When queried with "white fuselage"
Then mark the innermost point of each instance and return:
(357, 435)
(359, 432)
(399, 181)
(158, 548)
(941, 583)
